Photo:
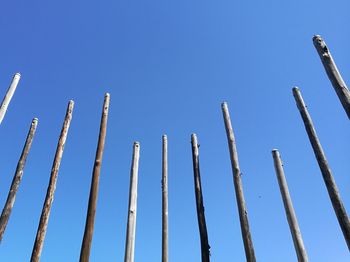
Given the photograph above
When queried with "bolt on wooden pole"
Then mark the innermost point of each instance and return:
(242, 210)
(131, 225)
(45, 214)
(6, 212)
(333, 73)
(205, 248)
(9, 94)
(90, 217)
(165, 199)
(325, 169)
(288, 206)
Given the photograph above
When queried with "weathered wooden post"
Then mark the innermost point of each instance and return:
(325, 169)
(205, 248)
(164, 198)
(333, 73)
(7, 99)
(131, 226)
(44, 218)
(6, 212)
(243, 214)
(90, 217)
(288, 206)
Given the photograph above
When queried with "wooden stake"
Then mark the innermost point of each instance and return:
(243, 214)
(7, 99)
(205, 248)
(333, 73)
(288, 206)
(90, 217)
(44, 218)
(165, 199)
(325, 169)
(6, 212)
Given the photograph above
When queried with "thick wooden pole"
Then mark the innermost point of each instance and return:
(6, 212)
(205, 248)
(90, 217)
(288, 206)
(165, 199)
(131, 226)
(44, 218)
(7, 99)
(243, 214)
(325, 169)
(333, 73)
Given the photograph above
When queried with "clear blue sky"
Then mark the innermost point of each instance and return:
(168, 65)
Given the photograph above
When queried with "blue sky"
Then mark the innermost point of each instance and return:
(168, 65)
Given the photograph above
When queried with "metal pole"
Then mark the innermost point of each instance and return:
(164, 199)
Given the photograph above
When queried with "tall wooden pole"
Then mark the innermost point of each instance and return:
(165, 199)
(325, 169)
(6, 212)
(131, 226)
(45, 214)
(333, 73)
(7, 99)
(288, 206)
(90, 217)
(243, 214)
(205, 248)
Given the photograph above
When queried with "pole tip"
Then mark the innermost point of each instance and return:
(136, 144)
(18, 74)
(316, 38)
(295, 89)
(165, 137)
(224, 104)
(274, 150)
(35, 119)
(107, 95)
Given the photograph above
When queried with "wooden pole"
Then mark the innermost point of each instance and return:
(288, 206)
(243, 214)
(6, 212)
(44, 218)
(131, 226)
(333, 73)
(7, 99)
(165, 199)
(90, 217)
(325, 169)
(205, 248)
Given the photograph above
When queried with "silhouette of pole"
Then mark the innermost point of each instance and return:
(9, 94)
(164, 199)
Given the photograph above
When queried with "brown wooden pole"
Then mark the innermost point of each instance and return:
(325, 169)
(205, 248)
(45, 214)
(242, 210)
(90, 217)
(9, 94)
(6, 212)
(165, 199)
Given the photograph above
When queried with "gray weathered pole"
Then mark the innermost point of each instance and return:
(205, 248)
(90, 217)
(288, 206)
(131, 226)
(6, 212)
(45, 213)
(7, 99)
(164, 198)
(333, 73)
(325, 169)
(242, 210)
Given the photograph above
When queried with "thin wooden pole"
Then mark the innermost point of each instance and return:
(243, 214)
(131, 226)
(165, 199)
(90, 217)
(11, 197)
(325, 169)
(45, 214)
(9, 94)
(333, 73)
(205, 248)
(288, 206)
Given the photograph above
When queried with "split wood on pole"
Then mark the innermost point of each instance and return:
(243, 214)
(131, 226)
(164, 198)
(45, 214)
(90, 217)
(333, 73)
(288, 206)
(7, 99)
(325, 169)
(205, 248)
(6, 212)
